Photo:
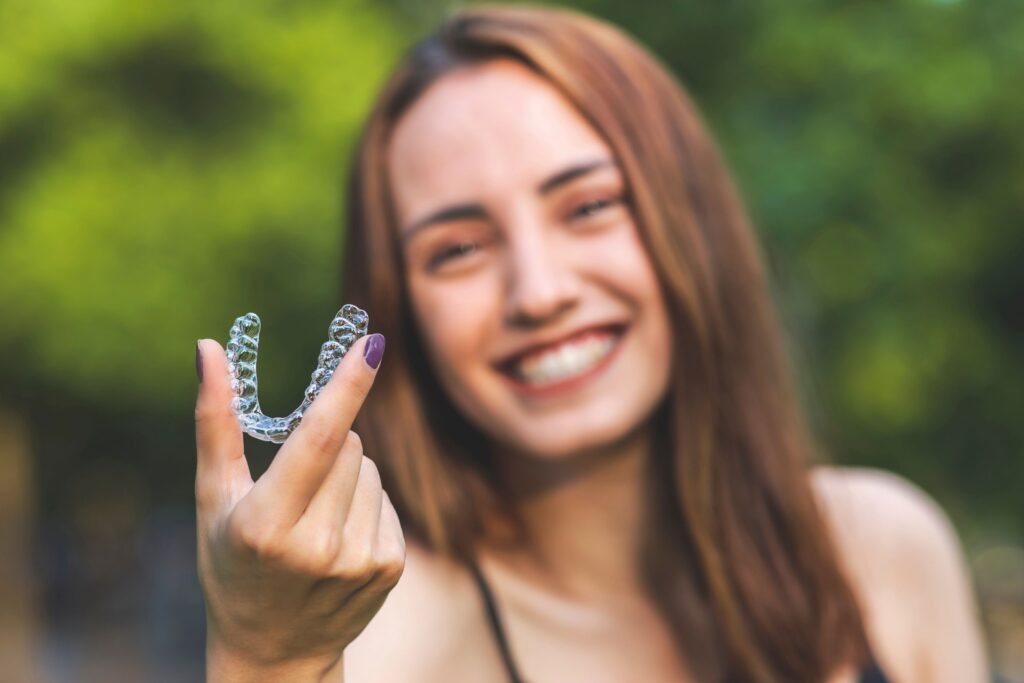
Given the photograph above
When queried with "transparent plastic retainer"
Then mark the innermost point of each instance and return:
(348, 325)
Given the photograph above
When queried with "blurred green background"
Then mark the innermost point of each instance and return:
(166, 166)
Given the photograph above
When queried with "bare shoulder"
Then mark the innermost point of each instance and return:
(424, 626)
(905, 563)
(873, 511)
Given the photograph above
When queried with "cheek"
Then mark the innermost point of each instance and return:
(621, 260)
(453, 318)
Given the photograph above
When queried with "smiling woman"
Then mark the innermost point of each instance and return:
(544, 321)
(586, 415)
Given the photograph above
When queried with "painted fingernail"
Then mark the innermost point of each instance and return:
(374, 350)
(199, 363)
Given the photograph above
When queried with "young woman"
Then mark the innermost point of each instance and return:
(585, 423)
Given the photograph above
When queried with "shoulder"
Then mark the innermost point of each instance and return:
(423, 627)
(875, 511)
(904, 561)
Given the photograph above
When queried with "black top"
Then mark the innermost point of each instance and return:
(872, 673)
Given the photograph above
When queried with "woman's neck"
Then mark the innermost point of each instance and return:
(583, 517)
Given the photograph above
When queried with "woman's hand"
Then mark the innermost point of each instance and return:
(294, 565)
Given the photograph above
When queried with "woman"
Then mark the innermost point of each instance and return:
(585, 424)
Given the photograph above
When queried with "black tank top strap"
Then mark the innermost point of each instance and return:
(494, 618)
(871, 673)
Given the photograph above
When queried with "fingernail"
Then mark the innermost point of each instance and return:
(374, 350)
(199, 363)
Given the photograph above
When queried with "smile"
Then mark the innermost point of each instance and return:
(564, 364)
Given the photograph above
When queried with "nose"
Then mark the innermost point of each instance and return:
(541, 284)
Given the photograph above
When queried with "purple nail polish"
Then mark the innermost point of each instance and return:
(374, 350)
(199, 363)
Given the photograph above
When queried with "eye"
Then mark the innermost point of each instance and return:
(451, 252)
(592, 207)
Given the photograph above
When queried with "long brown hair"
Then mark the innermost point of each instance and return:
(736, 557)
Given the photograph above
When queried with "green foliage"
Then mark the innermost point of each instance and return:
(166, 167)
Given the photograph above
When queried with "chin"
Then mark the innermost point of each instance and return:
(565, 447)
(572, 435)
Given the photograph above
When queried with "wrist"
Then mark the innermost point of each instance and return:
(226, 665)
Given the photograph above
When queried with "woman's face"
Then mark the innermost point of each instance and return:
(532, 290)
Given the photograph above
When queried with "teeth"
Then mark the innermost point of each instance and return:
(571, 358)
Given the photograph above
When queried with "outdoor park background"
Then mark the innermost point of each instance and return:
(166, 166)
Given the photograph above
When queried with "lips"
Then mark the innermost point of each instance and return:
(510, 361)
(565, 359)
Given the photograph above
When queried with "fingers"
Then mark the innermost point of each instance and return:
(338, 534)
(388, 547)
(390, 539)
(365, 551)
(350, 528)
(361, 524)
(330, 505)
(220, 455)
(302, 464)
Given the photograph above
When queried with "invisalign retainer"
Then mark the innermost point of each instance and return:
(348, 325)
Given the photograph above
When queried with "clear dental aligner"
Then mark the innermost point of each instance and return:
(349, 324)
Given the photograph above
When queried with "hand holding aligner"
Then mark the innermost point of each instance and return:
(349, 324)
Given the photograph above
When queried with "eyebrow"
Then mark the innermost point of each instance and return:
(474, 210)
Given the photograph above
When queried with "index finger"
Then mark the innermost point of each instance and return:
(306, 457)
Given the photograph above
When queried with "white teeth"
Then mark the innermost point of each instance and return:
(571, 358)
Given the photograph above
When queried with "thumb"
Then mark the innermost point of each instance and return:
(219, 446)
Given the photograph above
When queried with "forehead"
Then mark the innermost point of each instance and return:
(483, 131)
